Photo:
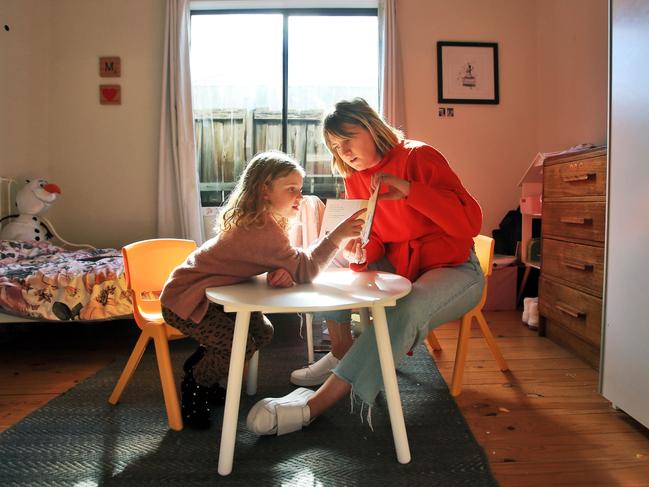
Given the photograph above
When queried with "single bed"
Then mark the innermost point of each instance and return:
(56, 280)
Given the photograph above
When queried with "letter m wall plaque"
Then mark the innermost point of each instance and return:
(110, 67)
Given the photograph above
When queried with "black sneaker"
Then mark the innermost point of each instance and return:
(216, 395)
(194, 403)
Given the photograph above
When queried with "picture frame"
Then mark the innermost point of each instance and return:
(467, 72)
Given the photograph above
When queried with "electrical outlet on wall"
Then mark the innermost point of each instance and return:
(445, 112)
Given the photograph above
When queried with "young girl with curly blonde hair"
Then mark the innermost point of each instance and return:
(252, 240)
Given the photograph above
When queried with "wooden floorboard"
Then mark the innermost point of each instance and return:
(542, 423)
(40, 361)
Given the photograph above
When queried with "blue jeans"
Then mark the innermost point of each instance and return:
(437, 297)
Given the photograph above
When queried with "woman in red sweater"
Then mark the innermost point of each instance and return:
(423, 229)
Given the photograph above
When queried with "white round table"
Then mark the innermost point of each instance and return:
(333, 289)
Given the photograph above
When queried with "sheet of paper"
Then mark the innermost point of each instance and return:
(369, 216)
(337, 210)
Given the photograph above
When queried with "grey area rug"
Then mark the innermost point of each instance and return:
(78, 439)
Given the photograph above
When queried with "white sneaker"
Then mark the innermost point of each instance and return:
(526, 309)
(315, 374)
(280, 415)
(533, 321)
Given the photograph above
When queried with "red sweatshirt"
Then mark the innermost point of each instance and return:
(433, 226)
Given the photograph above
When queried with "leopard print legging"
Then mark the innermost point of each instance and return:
(215, 332)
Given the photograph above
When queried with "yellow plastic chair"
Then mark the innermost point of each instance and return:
(484, 249)
(147, 264)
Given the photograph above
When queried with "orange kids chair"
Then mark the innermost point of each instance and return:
(147, 264)
(484, 249)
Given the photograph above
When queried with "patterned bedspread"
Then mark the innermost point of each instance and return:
(43, 281)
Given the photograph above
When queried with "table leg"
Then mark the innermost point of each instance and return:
(365, 318)
(308, 318)
(390, 382)
(251, 380)
(526, 275)
(233, 392)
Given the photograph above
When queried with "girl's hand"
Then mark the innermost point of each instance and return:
(354, 251)
(397, 188)
(279, 278)
(349, 228)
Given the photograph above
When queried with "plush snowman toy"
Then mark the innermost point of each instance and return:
(33, 199)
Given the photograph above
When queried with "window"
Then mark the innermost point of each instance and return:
(263, 79)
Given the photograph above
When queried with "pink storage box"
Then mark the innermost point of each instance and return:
(501, 290)
(531, 204)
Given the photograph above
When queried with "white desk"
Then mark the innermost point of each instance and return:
(332, 290)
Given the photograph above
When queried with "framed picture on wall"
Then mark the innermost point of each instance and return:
(467, 72)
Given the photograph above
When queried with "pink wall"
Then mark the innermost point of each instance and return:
(490, 146)
(24, 93)
(572, 71)
(552, 90)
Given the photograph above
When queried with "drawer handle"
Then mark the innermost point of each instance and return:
(576, 220)
(578, 265)
(569, 310)
(578, 177)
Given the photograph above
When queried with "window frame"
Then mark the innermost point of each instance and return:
(286, 13)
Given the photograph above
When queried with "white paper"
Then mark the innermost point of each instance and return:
(337, 210)
(369, 216)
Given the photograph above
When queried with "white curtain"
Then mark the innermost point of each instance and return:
(179, 213)
(391, 99)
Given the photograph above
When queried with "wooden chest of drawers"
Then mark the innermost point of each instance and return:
(572, 251)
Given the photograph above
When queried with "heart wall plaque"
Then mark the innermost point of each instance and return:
(110, 94)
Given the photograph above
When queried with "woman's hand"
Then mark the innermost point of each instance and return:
(354, 251)
(279, 278)
(349, 228)
(397, 188)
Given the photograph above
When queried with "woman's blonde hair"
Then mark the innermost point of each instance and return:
(246, 205)
(359, 113)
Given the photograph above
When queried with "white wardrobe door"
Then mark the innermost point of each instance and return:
(625, 371)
